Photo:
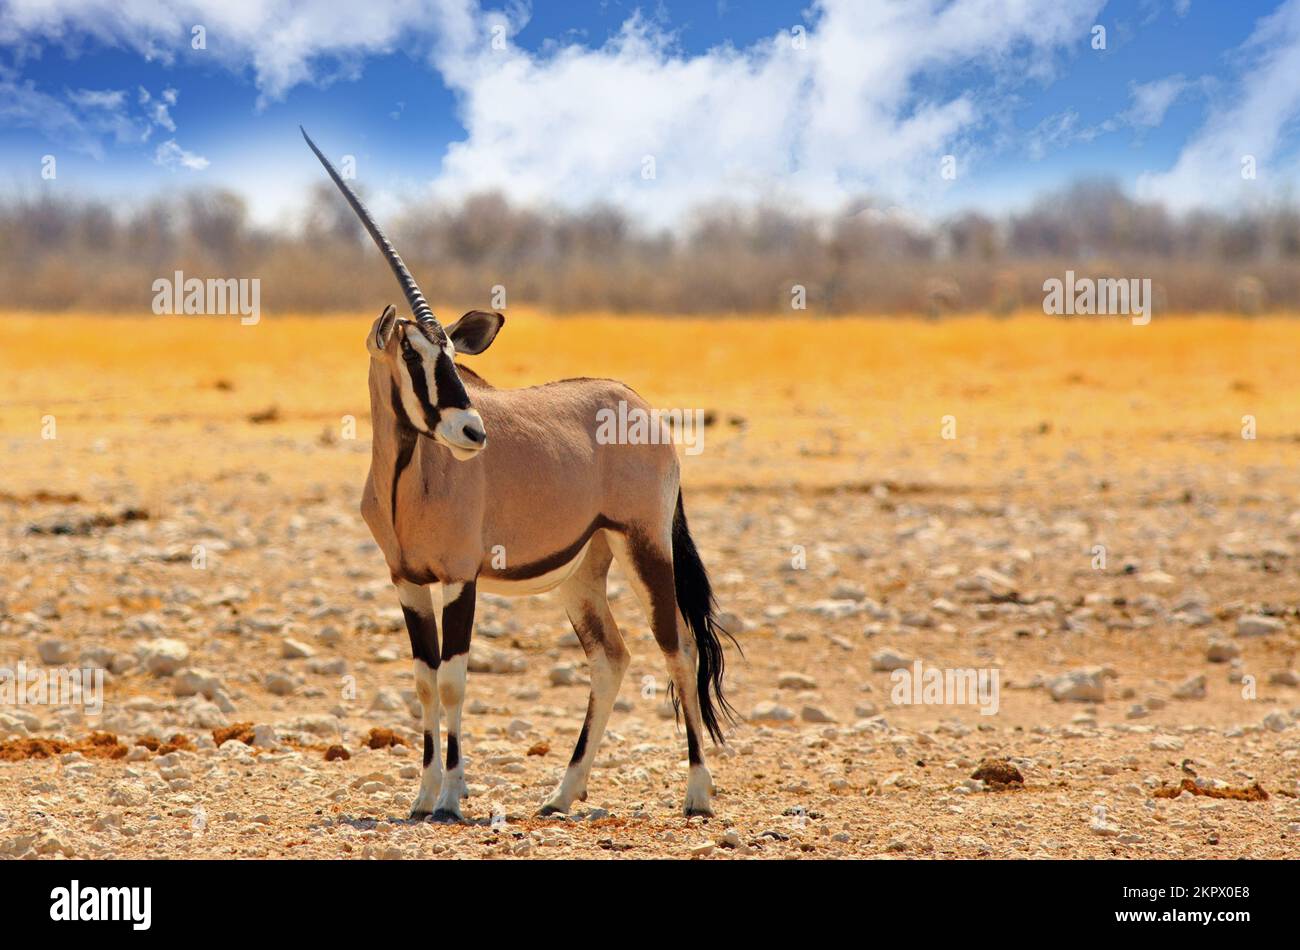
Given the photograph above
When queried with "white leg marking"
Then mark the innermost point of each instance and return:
(418, 598)
(451, 690)
(426, 687)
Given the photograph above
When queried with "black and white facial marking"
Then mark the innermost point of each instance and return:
(431, 392)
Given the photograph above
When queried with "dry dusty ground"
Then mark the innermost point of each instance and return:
(842, 529)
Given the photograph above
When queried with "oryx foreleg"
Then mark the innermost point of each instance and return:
(457, 625)
(422, 626)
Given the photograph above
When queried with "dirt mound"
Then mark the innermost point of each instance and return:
(98, 745)
(380, 738)
(240, 731)
(999, 775)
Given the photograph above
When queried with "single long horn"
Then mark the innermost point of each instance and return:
(419, 306)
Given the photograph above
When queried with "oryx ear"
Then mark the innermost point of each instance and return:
(474, 332)
(382, 329)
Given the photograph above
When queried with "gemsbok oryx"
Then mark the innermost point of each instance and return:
(460, 470)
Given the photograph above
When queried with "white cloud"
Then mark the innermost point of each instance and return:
(283, 42)
(815, 125)
(1152, 100)
(171, 155)
(1250, 122)
(158, 109)
(858, 108)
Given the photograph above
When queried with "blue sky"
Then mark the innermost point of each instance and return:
(572, 99)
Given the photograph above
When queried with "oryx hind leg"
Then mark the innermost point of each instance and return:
(584, 598)
(422, 626)
(648, 561)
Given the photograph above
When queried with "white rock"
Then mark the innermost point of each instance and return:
(193, 681)
(1078, 686)
(164, 656)
(292, 649)
(834, 609)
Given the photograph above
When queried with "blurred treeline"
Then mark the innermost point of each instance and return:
(83, 254)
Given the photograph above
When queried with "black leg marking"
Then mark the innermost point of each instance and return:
(423, 631)
(453, 752)
(580, 749)
(458, 623)
(692, 745)
(428, 749)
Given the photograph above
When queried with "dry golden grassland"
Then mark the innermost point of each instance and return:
(822, 401)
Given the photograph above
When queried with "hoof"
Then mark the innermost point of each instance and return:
(445, 816)
(698, 811)
(419, 814)
(550, 809)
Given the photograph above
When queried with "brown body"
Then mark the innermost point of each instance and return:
(539, 490)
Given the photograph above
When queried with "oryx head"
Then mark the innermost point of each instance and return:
(419, 355)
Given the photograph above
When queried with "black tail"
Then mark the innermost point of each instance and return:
(695, 600)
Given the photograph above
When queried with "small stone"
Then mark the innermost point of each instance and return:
(564, 674)
(163, 657)
(292, 649)
(1193, 688)
(771, 712)
(1078, 686)
(789, 680)
(887, 660)
(386, 700)
(54, 652)
(280, 684)
(1256, 625)
(1277, 722)
(1221, 651)
(1167, 743)
(815, 714)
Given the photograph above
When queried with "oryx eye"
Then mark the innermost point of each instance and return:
(409, 354)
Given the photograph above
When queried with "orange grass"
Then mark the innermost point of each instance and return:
(821, 400)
